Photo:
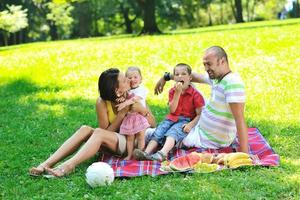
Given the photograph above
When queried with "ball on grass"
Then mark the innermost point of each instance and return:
(99, 174)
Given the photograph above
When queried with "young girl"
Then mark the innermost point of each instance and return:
(134, 123)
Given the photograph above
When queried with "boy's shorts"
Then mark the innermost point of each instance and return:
(168, 128)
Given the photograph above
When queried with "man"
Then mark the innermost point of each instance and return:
(222, 119)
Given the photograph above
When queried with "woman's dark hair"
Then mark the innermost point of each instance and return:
(108, 83)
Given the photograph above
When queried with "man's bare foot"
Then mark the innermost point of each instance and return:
(37, 171)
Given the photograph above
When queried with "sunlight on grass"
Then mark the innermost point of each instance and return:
(49, 89)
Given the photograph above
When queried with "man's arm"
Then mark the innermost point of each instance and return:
(159, 87)
(188, 127)
(237, 110)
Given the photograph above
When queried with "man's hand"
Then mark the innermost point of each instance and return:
(187, 127)
(159, 87)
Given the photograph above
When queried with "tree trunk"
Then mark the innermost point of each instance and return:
(128, 22)
(53, 30)
(248, 10)
(233, 9)
(221, 13)
(297, 8)
(239, 11)
(210, 23)
(5, 37)
(253, 10)
(150, 26)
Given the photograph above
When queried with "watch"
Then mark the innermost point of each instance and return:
(167, 76)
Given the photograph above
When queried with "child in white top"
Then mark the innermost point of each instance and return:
(134, 123)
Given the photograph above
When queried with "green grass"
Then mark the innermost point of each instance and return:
(49, 89)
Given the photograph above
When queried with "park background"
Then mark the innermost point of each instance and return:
(48, 88)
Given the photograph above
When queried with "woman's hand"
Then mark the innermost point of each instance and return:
(138, 107)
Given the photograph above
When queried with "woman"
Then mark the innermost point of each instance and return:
(112, 85)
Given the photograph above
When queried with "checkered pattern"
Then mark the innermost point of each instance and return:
(257, 145)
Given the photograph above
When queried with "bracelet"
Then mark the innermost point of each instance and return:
(167, 76)
(147, 114)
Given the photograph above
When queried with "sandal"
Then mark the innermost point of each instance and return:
(141, 155)
(159, 156)
(56, 172)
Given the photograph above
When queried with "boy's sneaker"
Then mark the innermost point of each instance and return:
(159, 156)
(141, 155)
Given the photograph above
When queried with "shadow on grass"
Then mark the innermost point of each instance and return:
(41, 124)
(32, 129)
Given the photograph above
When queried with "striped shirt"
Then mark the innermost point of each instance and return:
(216, 126)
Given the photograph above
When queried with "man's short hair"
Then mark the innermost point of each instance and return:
(219, 52)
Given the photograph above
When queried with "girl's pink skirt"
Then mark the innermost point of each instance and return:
(133, 123)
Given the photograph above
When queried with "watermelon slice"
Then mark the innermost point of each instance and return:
(184, 163)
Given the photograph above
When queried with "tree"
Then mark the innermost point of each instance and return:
(128, 8)
(206, 5)
(150, 25)
(237, 10)
(12, 20)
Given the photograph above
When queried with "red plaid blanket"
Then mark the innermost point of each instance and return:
(257, 145)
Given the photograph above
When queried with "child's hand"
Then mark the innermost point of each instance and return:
(178, 87)
(187, 127)
(120, 99)
(123, 111)
(121, 106)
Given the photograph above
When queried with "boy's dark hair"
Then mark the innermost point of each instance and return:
(188, 68)
(108, 83)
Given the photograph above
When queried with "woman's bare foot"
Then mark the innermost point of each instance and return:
(37, 171)
(59, 171)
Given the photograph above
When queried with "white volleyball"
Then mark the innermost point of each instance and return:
(99, 174)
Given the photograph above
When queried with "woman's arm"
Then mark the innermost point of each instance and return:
(102, 116)
(138, 107)
(128, 102)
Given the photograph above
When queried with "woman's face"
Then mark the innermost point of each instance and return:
(124, 85)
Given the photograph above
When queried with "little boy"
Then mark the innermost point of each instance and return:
(185, 104)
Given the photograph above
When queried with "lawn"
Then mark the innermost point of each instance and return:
(49, 89)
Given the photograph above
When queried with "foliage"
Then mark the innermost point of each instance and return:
(13, 20)
(48, 90)
(60, 14)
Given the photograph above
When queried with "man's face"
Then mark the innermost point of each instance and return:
(212, 65)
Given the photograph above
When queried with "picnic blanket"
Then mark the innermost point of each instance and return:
(257, 146)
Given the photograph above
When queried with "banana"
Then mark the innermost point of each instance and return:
(240, 162)
(231, 157)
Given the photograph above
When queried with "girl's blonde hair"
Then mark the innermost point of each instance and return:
(132, 69)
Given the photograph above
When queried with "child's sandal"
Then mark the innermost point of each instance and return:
(159, 156)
